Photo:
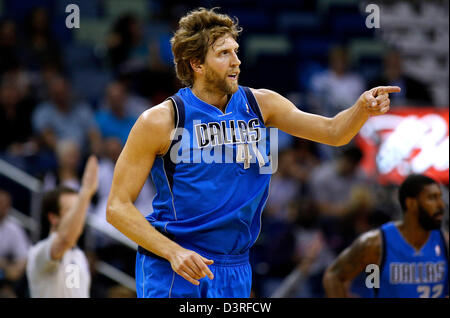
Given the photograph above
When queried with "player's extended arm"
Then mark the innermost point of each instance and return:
(149, 137)
(72, 223)
(279, 112)
(365, 250)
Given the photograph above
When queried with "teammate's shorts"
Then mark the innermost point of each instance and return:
(156, 279)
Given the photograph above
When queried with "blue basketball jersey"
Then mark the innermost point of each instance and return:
(408, 273)
(211, 184)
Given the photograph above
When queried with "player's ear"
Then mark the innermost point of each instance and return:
(52, 218)
(197, 67)
(411, 204)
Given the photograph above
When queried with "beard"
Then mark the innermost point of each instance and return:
(219, 83)
(427, 221)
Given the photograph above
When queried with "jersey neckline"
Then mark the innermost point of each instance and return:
(405, 241)
(198, 100)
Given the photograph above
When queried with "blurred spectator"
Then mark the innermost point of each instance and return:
(63, 118)
(14, 245)
(114, 120)
(284, 187)
(41, 47)
(137, 59)
(338, 88)
(22, 79)
(332, 183)
(15, 114)
(339, 188)
(48, 260)
(290, 182)
(414, 92)
(67, 173)
(48, 72)
(135, 105)
(312, 254)
(313, 257)
(126, 44)
(9, 48)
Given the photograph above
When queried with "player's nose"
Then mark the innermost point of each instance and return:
(235, 61)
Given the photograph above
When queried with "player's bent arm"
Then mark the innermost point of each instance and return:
(365, 250)
(149, 137)
(72, 223)
(279, 112)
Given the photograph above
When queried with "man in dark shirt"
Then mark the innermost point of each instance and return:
(413, 93)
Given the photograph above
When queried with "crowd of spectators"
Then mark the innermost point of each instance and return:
(320, 199)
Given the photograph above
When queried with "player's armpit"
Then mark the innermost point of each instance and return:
(365, 250)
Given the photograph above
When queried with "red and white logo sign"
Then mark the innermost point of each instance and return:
(405, 141)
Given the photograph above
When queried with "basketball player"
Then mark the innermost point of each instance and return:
(56, 267)
(412, 254)
(207, 213)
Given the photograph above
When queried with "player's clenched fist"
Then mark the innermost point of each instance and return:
(376, 100)
(190, 265)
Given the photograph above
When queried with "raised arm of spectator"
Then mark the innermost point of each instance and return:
(72, 223)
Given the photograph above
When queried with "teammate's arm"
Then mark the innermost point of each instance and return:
(149, 137)
(365, 250)
(279, 112)
(72, 223)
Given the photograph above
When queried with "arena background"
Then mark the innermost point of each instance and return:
(320, 54)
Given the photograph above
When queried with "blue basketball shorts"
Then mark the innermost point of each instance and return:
(156, 279)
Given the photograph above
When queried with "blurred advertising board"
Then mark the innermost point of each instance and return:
(404, 141)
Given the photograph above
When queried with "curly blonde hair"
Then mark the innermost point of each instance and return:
(197, 31)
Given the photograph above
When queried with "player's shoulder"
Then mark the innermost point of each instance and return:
(268, 101)
(370, 239)
(263, 93)
(369, 245)
(159, 117)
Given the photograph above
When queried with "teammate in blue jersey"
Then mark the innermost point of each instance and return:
(208, 151)
(411, 254)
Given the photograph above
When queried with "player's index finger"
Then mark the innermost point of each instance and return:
(207, 271)
(388, 89)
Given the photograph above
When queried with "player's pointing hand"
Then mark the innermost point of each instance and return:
(376, 100)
